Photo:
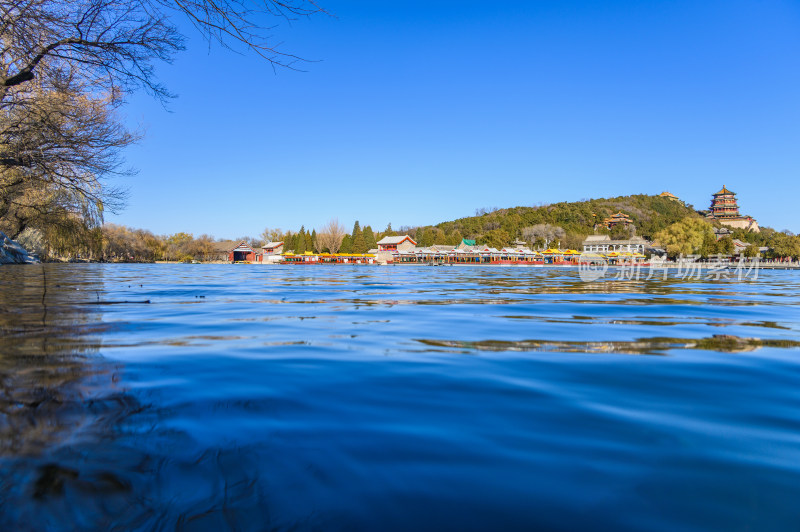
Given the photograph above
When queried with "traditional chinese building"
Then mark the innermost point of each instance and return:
(271, 252)
(394, 243)
(722, 232)
(233, 251)
(725, 210)
(670, 196)
(617, 219)
(604, 244)
(273, 248)
(724, 204)
(389, 246)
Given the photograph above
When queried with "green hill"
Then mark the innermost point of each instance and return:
(567, 222)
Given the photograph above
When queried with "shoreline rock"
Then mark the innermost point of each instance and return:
(11, 252)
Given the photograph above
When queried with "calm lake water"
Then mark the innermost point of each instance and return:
(198, 397)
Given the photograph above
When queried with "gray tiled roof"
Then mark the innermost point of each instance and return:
(597, 238)
(394, 239)
(229, 245)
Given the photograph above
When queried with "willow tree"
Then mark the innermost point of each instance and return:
(116, 43)
(58, 145)
(67, 66)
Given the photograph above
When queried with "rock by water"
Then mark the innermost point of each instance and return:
(13, 253)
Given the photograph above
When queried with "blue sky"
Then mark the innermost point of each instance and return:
(419, 112)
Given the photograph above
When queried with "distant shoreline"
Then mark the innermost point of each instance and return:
(668, 266)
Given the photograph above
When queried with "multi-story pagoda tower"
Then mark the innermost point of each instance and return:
(725, 209)
(724, 204)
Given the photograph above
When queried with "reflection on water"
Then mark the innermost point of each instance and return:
(56, 393)
(196, 397)
(44, 374)
(644, 346)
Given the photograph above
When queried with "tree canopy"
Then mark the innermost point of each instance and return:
(65, 69)
(686, 237)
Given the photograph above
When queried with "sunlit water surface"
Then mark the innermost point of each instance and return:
(196, 397)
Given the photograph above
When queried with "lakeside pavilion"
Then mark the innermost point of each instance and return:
(233, 251)
(396, 243)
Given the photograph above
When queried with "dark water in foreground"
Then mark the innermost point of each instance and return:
(395, 398)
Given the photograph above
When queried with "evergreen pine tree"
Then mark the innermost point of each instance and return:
(359, 243)
(419, 236)
(347, 245)
(300, 241)
(369, 238)
(314, 241)
(437, 236)
(389, 231)
(430, 238)
(426, 237)
(309, 242)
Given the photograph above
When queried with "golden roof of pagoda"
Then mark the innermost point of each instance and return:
(724, 191)
(668, 195)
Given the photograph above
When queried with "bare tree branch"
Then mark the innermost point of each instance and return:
(65, 66)
(330, 236)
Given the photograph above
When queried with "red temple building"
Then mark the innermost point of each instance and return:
(725, 209)
(617, 219)
(724, 204)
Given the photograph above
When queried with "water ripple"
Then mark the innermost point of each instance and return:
(356, 398)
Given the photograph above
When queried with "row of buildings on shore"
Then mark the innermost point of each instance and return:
(403, 249)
